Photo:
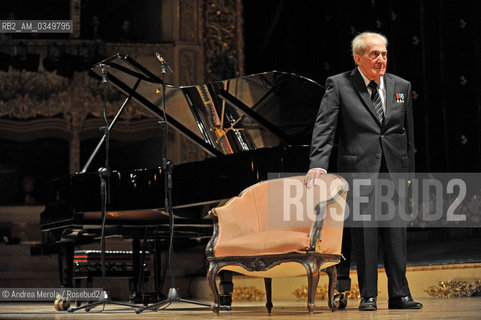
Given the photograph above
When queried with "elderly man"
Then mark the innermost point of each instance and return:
(370, 112)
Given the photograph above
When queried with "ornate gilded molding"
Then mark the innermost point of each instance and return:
(247, 294)
(455, 289)
(322, 293)
(442, 267)
(37, 104)
(206, 46)
(223, 39)
(30, 95)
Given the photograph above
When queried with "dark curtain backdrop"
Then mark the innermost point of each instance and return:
(433, 44)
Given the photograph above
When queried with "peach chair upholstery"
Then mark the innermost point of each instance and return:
(278, 228)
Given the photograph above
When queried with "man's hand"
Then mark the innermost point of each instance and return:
(313, 175)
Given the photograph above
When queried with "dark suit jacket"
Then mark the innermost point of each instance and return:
(346, 110)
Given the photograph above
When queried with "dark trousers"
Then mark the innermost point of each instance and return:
(367, 241)
(366, 244)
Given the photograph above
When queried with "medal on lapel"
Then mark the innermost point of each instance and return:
(399, 97)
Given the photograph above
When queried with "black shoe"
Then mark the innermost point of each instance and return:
(368, 304)
(406, 302)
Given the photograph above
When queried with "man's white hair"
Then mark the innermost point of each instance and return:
(358, 44)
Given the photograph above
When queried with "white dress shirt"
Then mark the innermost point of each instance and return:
(381, 88)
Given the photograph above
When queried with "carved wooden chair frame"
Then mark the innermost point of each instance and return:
(311, 260)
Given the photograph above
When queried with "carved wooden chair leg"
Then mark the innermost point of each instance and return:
(312, 282)
(332, 273)
(268, 285)
(226, 287)
(211, 274)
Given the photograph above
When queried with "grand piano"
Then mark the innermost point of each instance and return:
(253, 127)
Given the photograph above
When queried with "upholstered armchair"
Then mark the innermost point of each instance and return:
(278, 228)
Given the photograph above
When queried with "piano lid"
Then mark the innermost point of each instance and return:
(251, 112)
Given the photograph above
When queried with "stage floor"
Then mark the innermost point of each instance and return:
(434, 308)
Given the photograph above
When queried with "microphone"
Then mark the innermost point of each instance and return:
(163, 63)
(106, 61)
(104, 72)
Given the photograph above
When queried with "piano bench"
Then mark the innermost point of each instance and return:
(118, 264)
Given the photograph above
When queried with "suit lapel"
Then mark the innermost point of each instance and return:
(389, 83)
(360, 86)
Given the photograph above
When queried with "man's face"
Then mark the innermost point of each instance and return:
(374, 59)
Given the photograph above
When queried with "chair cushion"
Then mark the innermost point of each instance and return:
(263, 243)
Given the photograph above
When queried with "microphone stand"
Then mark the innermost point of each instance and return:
(104, 174)
(173, 294)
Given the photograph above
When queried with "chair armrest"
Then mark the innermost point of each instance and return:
(321, 217)
(209, 249)
(316, 228)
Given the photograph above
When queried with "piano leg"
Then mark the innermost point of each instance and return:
(65, 264)
(137, 279)
(140, 277)
(157, 267)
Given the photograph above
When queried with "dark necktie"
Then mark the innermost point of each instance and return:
(376, 101)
